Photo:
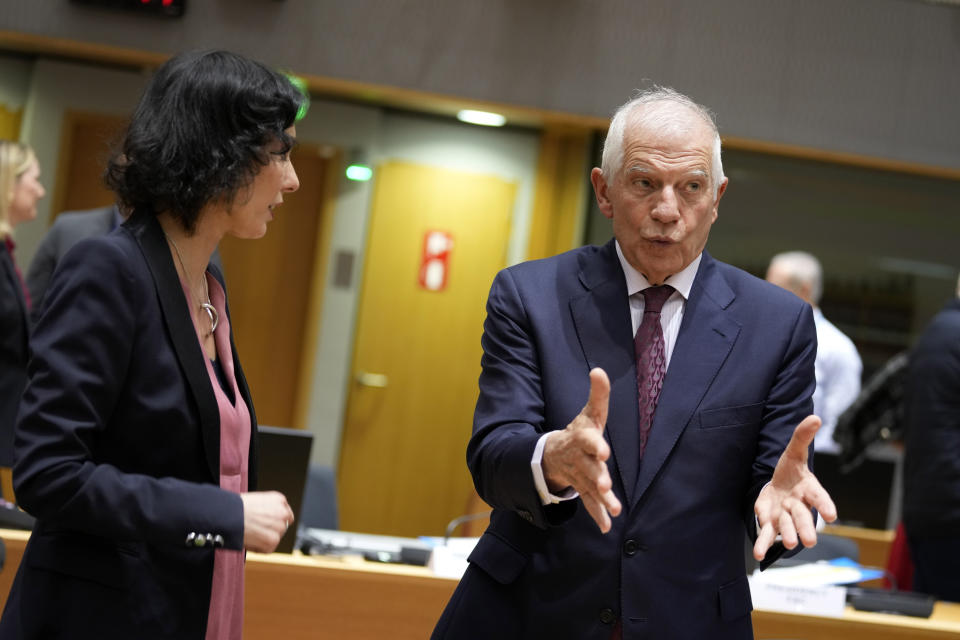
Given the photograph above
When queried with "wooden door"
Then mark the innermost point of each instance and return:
(86, 141)
(402, 468)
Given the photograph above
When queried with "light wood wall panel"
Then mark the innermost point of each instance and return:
(10, 122)
(560, 196)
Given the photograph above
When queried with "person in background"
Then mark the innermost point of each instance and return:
(931, 464)
(136, 444)
(68, 229)
(20, 190)
(625, 516)
(838, 364)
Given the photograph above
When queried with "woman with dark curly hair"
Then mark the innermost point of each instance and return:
(136, 444)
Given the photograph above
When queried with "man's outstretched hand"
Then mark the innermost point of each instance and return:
(577, 456)
(783, 506)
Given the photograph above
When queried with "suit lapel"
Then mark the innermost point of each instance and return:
(183, 335)
(707, 335)
(601, 317)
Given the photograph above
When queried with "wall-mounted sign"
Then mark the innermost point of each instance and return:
(435, 261)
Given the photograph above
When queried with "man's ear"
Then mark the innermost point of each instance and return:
(716, 201)
(600, 191)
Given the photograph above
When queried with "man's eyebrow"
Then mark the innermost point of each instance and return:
(702, 173)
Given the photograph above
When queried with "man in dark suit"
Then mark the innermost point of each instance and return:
(68, 229)
(931, 470)
(626, 517)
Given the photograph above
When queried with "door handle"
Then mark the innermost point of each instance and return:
(375, 380)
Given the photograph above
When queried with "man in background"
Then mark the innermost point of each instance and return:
(838, 364)
(68, 229)
(931, 471)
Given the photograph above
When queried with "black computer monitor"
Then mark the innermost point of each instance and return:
(283, 464)
(865, 496)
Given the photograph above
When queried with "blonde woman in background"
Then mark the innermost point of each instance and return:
(20, 189)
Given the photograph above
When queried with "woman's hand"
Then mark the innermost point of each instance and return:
(266, 517)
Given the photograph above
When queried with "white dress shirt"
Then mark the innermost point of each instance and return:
(671, 316)
(838, 368)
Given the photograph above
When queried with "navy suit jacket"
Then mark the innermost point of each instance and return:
(741, 377)
(118, 452)
(14, 336)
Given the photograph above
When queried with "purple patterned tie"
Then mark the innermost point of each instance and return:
(651, 357)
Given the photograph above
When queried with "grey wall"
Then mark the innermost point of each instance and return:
(872, 77)
(15, 84)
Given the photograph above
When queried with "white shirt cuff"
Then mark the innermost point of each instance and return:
(540, 482)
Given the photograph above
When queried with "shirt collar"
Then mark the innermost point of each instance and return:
(681, 281)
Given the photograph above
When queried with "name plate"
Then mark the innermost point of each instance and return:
(447, 563)
(827, 601)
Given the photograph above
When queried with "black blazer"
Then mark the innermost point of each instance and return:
(14, 334)
(118, 452)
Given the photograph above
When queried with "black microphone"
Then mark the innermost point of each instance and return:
(456, 522)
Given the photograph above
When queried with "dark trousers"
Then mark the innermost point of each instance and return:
(936, 566)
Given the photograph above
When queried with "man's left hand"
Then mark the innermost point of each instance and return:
(783, 506)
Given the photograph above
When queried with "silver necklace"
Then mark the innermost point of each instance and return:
(206, 306)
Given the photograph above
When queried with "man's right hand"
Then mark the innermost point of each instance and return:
(266, 516)
(577, 456)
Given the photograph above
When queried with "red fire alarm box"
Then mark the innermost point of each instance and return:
(435, 261)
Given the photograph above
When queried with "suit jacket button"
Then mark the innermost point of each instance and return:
(200, 540)
(218, 541)
(630, 547)
(607, 616)
(190, 538)
(210, 541)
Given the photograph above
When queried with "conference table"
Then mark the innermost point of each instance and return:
(289, 597)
